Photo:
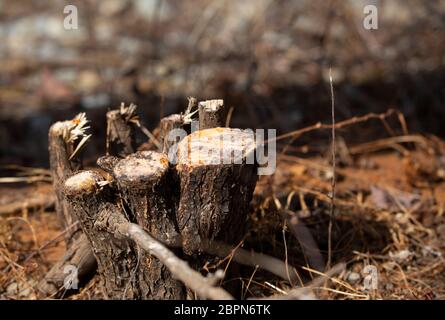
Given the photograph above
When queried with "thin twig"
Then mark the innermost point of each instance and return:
(341, 124)
(251, 258)
(149, 134)
(229, 116)
(304, 293)
(333, 181)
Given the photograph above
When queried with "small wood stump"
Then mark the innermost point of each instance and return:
(143, 180)
(212, 114)
(121, 130)
(62, 144)
(202, 197)
(61, 167)
(217, 177)
(167, 125)
(89, 195)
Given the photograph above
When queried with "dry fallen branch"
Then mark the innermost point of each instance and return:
(251, 258)
(392, 142)
(78, 255)
(346, 123)
(306, 292)
(194, 280)
(303, 235)
(35, 201)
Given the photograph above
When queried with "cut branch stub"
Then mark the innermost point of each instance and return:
(107, 163)
(143, 179)
(65, 139)
(145, 184)
(218, 176)
(117, 260)
(61, 167)
(212, 114)
(166, 125)
(121, 131)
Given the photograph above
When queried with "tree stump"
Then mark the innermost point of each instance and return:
(145, 185)
(217, 179)
(212, 114)
(61, 167)
(121, 130)
(199, 195)
(167, 136)
(63, 139)
(118, 263)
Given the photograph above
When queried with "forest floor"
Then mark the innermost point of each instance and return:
(389, 224)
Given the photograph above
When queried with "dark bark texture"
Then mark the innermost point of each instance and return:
(144, 181)
(118, 261)
(167, 124)
(120, 132)
(215, 197)
(212, 114)
(79, 252)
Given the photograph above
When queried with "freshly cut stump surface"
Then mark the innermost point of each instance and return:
(217, 176)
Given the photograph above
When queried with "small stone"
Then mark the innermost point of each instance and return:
(12, 289)
(25, 293)
(401, 255)
(353, 277)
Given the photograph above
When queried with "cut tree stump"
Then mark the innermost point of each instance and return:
(141, 202)
(63, 139)
(144, 181)
(61, 167)
(118, 262)
(217, 179)
(166, 125)
(121, 125)
(212, 114)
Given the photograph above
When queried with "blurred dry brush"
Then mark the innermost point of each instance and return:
(267, 59)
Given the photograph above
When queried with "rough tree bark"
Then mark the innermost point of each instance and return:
(204, 287)
(145, 185)
(91, 198)
(61, 167)
(111, 235)
(217, 177)
(205, 199)
(212, 114)
(62, 140)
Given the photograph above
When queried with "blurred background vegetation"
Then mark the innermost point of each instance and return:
(269, 60)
